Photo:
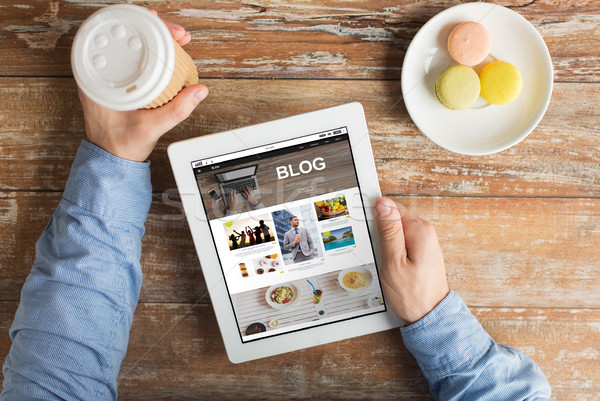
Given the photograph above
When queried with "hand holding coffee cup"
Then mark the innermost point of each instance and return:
(133, 134)
(124, 57)
(298, 238)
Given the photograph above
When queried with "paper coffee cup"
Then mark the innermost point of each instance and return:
(124, 58)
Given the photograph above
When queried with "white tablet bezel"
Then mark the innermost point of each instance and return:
(183, 153)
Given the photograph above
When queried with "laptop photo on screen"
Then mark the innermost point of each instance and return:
(237, 180)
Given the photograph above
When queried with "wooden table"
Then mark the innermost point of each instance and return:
(520, 229)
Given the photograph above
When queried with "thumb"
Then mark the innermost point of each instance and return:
(180, 107)
(389, 224)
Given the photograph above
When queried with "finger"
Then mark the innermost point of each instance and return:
(177, 31)
(186, 39)
(389, 225)
(418, 233)
(178, 109)
(153, 11)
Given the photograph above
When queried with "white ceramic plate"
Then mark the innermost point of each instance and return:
(491, 129)
(367, 273)
(275, 305)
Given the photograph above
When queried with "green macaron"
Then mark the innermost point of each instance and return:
(457, 87)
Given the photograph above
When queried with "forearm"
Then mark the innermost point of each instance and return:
(462, 362)
(71, 329)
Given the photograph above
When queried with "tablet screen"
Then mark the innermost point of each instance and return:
(288, 223)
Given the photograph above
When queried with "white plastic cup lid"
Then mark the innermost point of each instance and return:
(123, 57)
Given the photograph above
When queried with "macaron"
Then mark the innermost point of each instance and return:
(469, 43)
(501, 82)
(457, 87)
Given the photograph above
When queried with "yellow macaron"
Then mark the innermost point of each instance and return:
(501, 82)
(457, 87)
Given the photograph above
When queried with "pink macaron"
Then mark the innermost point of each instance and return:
(469, 43)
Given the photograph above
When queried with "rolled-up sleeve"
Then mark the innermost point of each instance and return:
(71, 328)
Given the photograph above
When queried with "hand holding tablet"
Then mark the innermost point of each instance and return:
(413, 271)
(307, 248)
(318, 158)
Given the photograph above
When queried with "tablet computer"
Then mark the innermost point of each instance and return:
(281, 215)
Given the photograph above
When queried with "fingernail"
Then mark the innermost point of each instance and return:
(383, 207)
(199, 95)
(175, 26)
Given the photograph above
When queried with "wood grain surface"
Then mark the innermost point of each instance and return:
(519, 229)
(42, 123)
(176, 352)
(300, 39)
(507, 251)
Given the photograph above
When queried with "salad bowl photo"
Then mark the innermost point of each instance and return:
(282, 296)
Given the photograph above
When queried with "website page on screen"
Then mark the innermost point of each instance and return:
(288, 224)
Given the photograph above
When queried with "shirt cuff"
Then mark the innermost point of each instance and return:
(446, 339)
(108, 186)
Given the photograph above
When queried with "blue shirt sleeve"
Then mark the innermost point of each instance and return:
(461, 361)
(71, 328)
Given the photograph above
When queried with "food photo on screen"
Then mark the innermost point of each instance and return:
(267, 264)
(312, 300)
(331, 208)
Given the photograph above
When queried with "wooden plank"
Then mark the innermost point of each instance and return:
(518, 251)
(283, 39)
(176, 353)
(514, 252)
(42, 125)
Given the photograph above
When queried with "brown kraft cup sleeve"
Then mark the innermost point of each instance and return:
(184, 74)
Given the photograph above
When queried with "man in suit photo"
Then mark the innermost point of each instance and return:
(299, 241)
